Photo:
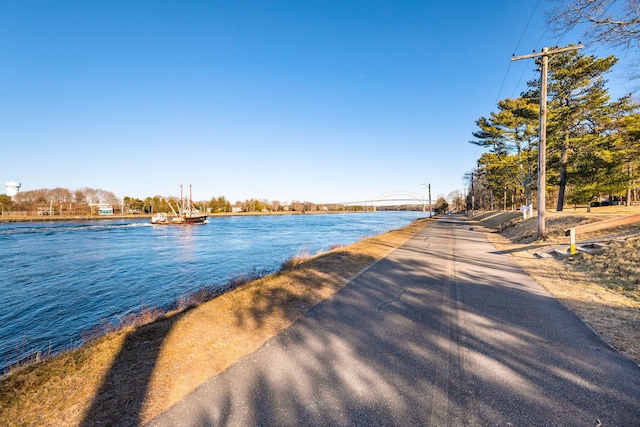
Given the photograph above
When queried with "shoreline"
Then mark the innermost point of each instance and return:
(55, 218)
(46, 218)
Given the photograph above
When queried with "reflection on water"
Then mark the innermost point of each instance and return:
(61, 278)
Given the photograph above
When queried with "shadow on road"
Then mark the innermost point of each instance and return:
(124, 391)
(434, 334)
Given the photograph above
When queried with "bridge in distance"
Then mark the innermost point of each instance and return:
(393, 197)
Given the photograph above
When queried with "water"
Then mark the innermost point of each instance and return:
(58, 279)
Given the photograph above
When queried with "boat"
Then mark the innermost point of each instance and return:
(184, 214)
(179, 219)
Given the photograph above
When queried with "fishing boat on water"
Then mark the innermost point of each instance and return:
(184, 214)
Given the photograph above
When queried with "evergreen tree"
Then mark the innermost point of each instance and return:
(627, 145)
(5, 202)
(511, 136)
(219, 204)
(578, 99)
(594, 143)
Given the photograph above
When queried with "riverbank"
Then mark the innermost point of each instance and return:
(134, 374)
(45, 218)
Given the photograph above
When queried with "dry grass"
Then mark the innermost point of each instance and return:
(603, 289)
(618, 267)
(135, 373)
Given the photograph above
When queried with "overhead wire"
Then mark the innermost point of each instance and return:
(527, 26)
(504, 79)
(517, 85)
(535, 47)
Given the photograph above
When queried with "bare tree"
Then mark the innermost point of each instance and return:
(297, 206)
(457, 200)
(310, 207)
(90, 195)
(78, 196)
(59, 195)
(613, 23)
(32, 199)
(96, 195)
(105, 196)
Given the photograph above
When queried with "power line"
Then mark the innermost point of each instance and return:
(504, 79)
(526, 26)
(524, 71)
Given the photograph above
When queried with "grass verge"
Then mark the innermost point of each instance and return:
(603, 289)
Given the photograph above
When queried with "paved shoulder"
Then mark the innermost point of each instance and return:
(445, 331)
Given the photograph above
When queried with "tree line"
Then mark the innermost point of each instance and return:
(58, 201)
(221, 205)
(593, 150)
(593, 141)
(86, 201)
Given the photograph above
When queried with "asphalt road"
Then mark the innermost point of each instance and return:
(445, 331)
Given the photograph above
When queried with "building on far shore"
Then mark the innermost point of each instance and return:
(12, 188)
(104, 208)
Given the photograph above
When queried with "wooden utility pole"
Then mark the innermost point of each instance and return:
(542, 134)
(430, 209)
(473, 195)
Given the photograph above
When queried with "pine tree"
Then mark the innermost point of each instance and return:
(577, 96)
(511, 136)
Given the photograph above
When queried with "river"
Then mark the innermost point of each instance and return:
(60, 279)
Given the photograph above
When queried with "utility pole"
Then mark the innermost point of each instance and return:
(473, 196)
(429, 192)
(542, 134)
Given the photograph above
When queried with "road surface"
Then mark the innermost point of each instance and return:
(445, 331)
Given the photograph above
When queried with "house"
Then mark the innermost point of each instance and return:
(105, 210)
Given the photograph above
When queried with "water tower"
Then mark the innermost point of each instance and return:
(12, 188)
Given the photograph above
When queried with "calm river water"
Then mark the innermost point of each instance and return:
(58, 279)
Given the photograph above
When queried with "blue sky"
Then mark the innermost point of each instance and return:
(322, 101)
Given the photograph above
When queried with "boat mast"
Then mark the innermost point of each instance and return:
(181, 201)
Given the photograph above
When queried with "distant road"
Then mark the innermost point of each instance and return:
(445, 331)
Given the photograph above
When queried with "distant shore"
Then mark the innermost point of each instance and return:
(45, 218)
